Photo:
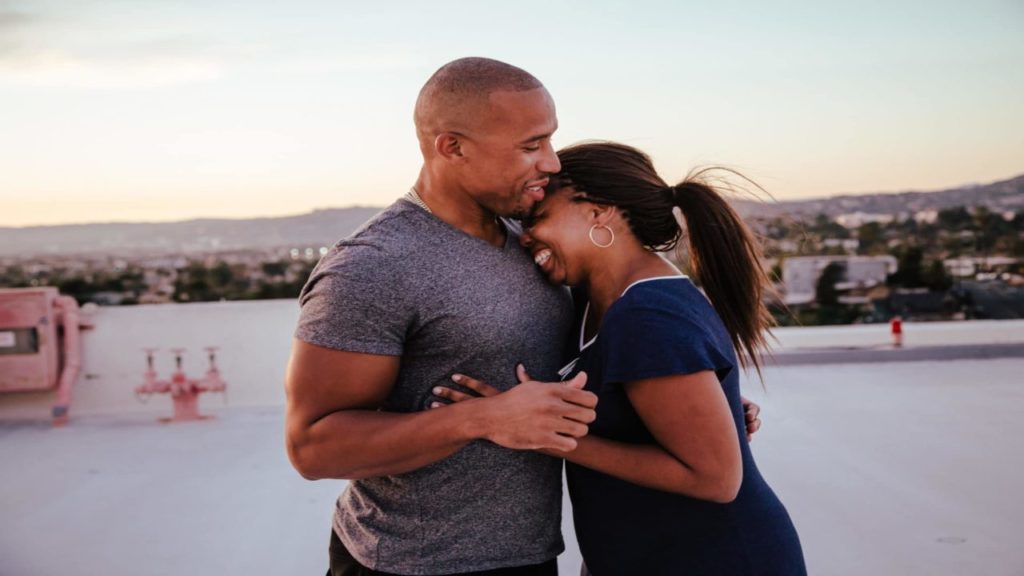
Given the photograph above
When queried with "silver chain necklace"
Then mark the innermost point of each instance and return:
(413, 196)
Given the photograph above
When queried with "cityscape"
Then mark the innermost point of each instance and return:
(936, 262)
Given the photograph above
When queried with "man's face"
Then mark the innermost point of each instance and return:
(508, 157)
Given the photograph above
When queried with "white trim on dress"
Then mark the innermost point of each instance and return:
(565, 370)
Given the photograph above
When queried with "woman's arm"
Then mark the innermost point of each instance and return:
(697, 454)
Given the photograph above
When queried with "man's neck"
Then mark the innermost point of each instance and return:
(461, 212)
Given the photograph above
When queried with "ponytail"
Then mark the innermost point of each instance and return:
(725, 258)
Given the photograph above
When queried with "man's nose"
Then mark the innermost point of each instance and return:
(549, 162)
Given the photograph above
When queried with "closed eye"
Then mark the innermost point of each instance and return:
(532, 219)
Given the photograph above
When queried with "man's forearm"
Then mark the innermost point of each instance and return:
(354, 444)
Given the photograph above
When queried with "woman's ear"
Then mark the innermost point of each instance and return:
(602, 214)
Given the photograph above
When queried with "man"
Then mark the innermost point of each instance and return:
(434, 286)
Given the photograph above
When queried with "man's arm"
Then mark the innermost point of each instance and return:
(334, 428)
(696, 451)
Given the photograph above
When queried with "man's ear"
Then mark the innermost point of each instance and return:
(448, 145)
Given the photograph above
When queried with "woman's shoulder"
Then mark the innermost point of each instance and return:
(671, 298)
(672, 307)
(660, 327)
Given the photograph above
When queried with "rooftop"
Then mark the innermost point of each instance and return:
(890, 461)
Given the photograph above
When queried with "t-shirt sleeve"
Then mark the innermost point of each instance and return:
(646, 343)
(353, 302)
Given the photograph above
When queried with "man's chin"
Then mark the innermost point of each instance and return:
(520, 211)
(517, 214)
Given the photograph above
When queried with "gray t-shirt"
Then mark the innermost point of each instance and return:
(407, 284)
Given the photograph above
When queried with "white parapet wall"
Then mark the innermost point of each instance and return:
(254, 338)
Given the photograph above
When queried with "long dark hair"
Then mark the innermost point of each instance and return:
(725, 257)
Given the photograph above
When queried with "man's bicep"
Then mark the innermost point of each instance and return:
(322, 380)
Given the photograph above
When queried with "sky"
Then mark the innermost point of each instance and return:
(150, 110)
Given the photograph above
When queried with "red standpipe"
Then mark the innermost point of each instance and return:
(183, 390)
(896, 327)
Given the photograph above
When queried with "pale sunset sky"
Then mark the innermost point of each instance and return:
(151, 110)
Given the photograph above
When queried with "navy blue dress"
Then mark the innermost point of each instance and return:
(660, 327)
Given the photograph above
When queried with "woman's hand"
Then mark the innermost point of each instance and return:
(532, 415)
(751, 417)
(480, 388)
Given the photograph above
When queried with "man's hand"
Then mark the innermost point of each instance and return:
(751, 412)
(532, 415)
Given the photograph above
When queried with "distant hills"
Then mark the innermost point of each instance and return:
(1006, 195)
(318, 228)
(324, 227)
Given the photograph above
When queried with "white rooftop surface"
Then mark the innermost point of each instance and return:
(886, 468)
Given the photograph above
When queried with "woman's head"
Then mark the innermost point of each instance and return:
(607, 189)
(611, 174)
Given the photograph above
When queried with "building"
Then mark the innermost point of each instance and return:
(858, 219)
(800, 274)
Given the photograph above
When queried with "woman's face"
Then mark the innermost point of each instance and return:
(556, 234)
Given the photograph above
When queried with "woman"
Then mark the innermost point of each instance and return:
(664, 483)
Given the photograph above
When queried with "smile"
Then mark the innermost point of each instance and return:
(541, 257)
(536, 191)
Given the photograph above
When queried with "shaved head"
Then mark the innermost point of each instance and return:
(455, 98)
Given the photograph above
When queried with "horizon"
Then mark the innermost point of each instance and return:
(148, 112)
(314, 209)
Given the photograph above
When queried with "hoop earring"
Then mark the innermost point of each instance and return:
(598, 244)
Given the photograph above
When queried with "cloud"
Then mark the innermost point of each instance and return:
(68, 49)
(13, 20)
(380, 58)
(16, 14)
(56, 68)
(14, 28)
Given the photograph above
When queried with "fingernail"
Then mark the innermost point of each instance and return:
(435, 404)
(457, 377)
(436, 390)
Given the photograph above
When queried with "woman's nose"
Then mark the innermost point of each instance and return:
(525, 240)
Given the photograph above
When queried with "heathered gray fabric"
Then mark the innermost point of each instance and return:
(408, 284)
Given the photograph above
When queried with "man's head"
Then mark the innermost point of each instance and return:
(485, 127)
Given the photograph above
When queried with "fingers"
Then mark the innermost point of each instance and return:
(449, 394)
(752, 427)
(578, 397)
(750, 410)
(560, 443)
(580, 414)
(572, 428)
(521, 373)
(478, 386)
(751, 413)
(564, 444)
(578, 381)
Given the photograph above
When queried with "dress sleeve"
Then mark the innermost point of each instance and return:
(647, 342)
(351, 302)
